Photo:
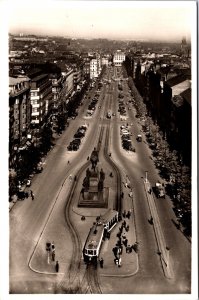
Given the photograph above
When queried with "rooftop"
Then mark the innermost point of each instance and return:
(15, 80)
(39, 77)
(187, 95)
(176, 80)
(180, 87)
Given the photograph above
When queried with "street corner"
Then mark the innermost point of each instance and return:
(43, 261)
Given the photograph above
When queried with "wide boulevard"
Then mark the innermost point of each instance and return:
(33, 222)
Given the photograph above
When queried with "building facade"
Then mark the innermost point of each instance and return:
(56, 80)
(94, 68)
(118, 58)
(19, 113)
(41, 99)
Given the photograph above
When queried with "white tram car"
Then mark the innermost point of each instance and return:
(97, 233)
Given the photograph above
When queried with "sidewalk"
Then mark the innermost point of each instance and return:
(129, 261)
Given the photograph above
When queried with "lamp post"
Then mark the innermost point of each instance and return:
(146, 173)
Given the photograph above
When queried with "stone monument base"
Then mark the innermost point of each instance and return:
(94, 199)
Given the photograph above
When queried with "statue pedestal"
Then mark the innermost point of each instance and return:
(94, 197)
(93, 180)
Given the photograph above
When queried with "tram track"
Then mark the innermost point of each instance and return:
(71, 280)
(118, 202)
(91, 272)
(93, 280)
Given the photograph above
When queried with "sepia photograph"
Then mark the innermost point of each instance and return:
(100, 192)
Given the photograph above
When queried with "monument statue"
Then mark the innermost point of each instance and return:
(94, 159)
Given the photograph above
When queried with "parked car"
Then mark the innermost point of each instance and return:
(139, 138)
(159, 190)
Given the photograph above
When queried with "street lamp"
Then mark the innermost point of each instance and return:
(146, 172)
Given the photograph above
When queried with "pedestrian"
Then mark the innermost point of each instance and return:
(128, 249)
(101, 263)
(151, 220)
(121, 229)
(57, 266)
(114, 250)
(32, 195)
(119, 262)
(53, 255)
(88, 158)
(116, 261)
(124, 236)
(53, 246)
(68, 161)
(131, 194)
(118, 234)
(125, 242)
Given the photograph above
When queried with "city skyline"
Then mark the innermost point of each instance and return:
(128, 20)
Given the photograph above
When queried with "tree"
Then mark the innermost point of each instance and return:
(46, 139)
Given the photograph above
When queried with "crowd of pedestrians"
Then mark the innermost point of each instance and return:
(122, 243)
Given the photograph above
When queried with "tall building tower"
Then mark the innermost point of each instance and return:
(184, 48)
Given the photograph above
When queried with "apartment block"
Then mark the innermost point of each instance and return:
(118, 58)
(41, 99)
(19, 113)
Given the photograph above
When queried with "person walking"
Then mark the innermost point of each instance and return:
(101, 263)
(53, 251)
(53, 255)
(57, 266)
(32, 195)
(119, 262)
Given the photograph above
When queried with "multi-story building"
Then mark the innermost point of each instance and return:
(67, 86)
(105, 61)
(118, 58)
(176, 106)
(41, 99)
(94, 68)
(19, 113)
(86, 68)
(56, 80)
(77, 75)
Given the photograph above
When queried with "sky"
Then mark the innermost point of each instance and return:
(142, 20)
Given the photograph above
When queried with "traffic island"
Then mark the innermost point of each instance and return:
(127, 264)
(163, 249)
